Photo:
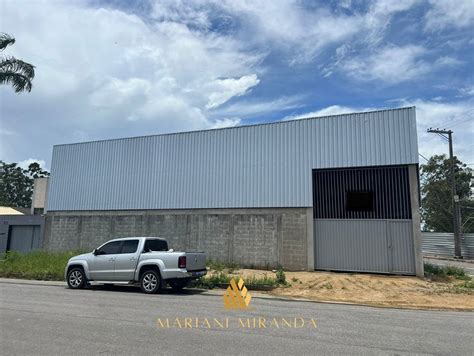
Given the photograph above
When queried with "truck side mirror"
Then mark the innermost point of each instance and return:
(95, 252)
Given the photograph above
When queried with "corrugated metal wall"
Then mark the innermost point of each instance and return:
(442, 244)
(381, 246)
(388, 185)
(266, 165)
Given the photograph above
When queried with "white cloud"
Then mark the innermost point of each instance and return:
(227, 122)
(447, 13)
(394, 65)
(467, 91)
(447, 61)
(378, 17)
(249, 108)
(330, 110)
(455, 116)
(286, 26)
(226, 89)
(390, 64)
(103, 73)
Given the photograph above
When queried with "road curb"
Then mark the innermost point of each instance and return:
(32, 282)
(220, 292)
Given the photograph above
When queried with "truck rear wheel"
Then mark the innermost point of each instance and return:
(150, 282)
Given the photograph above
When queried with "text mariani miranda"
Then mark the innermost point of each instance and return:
(225, 323)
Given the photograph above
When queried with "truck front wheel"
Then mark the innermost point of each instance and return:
(150, 282)
(76, 278)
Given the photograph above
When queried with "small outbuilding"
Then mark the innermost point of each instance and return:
(329, 193)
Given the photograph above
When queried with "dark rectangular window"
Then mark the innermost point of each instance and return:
(110, 248)
(155, 245)
(360, 201)
(129, 246)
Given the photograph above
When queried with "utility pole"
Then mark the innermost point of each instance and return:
(455, 197)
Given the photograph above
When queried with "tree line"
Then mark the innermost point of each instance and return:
(16, 183)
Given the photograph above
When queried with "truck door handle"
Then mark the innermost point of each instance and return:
(132, 258)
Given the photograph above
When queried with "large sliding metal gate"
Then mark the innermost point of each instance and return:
(362, 220)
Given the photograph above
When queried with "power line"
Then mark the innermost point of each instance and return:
(460, 122)
(458, 115)
(426, 159)
(440, 135)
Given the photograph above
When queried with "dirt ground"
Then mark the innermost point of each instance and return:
(370, 289)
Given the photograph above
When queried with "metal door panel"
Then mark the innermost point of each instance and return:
(102, 267)
(24, 238)
(125, 265)
(381, 246)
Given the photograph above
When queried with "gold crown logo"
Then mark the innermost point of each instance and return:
(237, 296)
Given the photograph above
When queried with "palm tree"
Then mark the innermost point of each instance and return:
(14, 71)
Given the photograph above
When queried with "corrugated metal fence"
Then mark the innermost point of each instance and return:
(442, 244)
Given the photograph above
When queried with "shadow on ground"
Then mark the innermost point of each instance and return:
(136, 289)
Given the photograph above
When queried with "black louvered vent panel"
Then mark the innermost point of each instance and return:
(373, 193)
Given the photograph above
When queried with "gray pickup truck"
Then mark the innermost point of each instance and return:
(146, 261)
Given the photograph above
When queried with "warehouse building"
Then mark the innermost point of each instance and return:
(329, 193)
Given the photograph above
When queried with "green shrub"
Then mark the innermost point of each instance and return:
(443, 272)
(41, 265)
(280, 276)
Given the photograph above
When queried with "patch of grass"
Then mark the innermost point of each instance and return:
(218, 266)
(294, 279)
(467, 286)
(222, 279)
(40, 265)
(260, 283)
(213, 281)
(444, 272)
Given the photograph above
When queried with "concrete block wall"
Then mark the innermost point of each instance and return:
(249, 237)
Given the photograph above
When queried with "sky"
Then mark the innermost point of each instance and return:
(109, 69)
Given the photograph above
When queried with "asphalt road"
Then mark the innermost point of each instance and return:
(50, 320)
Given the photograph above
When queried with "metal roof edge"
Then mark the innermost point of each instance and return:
(281, 121)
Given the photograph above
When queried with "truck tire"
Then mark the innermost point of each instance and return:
(178, 285)
(150, 282)
(76, 278)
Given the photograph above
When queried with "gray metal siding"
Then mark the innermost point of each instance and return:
(24, 238)
(381, 246)
(442, 244)
(266, 165)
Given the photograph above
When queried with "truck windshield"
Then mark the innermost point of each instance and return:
(155, 245)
